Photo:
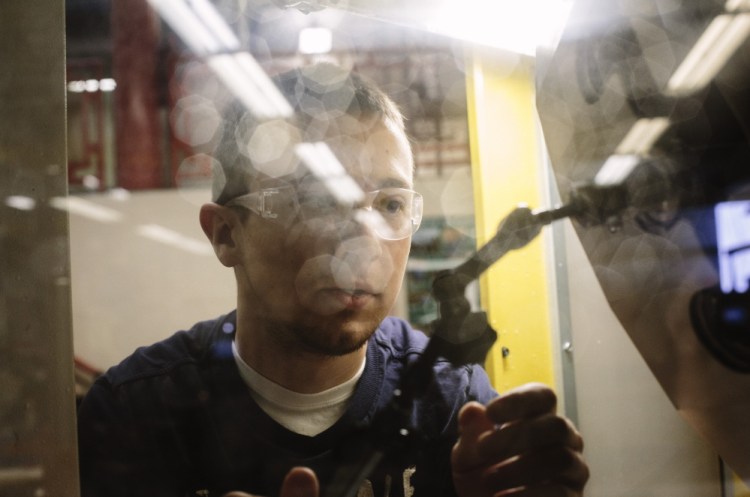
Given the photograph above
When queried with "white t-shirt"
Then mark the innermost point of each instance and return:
(307, 414)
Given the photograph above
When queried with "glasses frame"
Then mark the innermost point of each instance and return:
(259, 202)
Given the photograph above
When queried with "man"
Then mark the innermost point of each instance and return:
(314, 215)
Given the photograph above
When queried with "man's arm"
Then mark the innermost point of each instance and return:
(517, 442)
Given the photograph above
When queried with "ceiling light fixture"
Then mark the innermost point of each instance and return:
(204, 31)
(314, 40)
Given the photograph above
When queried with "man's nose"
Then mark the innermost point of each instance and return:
(359, 251)
(358, 222)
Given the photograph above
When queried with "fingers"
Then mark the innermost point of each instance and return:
(472, 424)
(467, 464)
(517, 446)
(527, 401)
(300, 482)
(541, 471)
(529, 435)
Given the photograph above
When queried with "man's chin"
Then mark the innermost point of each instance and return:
(336, 339)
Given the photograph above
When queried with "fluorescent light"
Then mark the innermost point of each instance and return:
(642, 136)
(20, 202)
(516, 26)
(92, 85)
(226, 68)
(325, 166)
(206, 33)
(250, 84)
(198, 24)
(216, 24)
(77, 86)
(265, 86)
(616, 169)
(84, 208)
(174, 239)
(186, 24)
(319, 159)
(107, 84)
(710, 53)
(315, 41)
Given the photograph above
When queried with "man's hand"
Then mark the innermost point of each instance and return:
(299, 482)
(517, 444)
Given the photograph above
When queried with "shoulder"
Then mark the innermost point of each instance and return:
(399, 338)
(202, 341)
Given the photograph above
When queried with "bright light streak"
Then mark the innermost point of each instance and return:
(14, 476)
(185, 21)
(642, 136)
(324, 164)
(616, 169)
(92, 85)
(84, 208)
(20, 202)
(516, 26)
(737, 5)
(107, 84)
(204, 31)
(709, 55)
(216, 24)
(265, 86)
(250, 85)
(174, 239)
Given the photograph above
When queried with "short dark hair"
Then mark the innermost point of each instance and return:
(316, 93)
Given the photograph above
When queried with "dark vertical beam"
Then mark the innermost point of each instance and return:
(37, 414)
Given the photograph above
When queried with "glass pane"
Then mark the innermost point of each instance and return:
(632, 304)
(37, 398)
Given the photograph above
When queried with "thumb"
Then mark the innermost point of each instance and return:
(472, 423)
(300, 482)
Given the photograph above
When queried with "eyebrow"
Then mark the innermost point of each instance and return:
(309, 180)
(394, 183)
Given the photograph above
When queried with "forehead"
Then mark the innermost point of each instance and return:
(375, 153)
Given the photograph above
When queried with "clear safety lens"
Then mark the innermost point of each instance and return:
(393, 213)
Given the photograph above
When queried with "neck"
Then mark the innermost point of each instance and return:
(260, 346)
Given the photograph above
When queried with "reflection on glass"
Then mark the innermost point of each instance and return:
(733, 245)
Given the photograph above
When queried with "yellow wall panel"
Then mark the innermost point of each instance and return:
(505, 162)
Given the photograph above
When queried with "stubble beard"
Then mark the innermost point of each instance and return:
(334, 340)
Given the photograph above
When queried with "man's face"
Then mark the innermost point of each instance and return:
(325, 286)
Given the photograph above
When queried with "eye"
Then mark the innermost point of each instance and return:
(391, 203)
(394, 205)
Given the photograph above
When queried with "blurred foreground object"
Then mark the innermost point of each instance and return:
(656, 99)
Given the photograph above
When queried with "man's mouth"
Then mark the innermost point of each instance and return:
(355, 291)
(351, 298)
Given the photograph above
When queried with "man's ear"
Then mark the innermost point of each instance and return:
(221, 226)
